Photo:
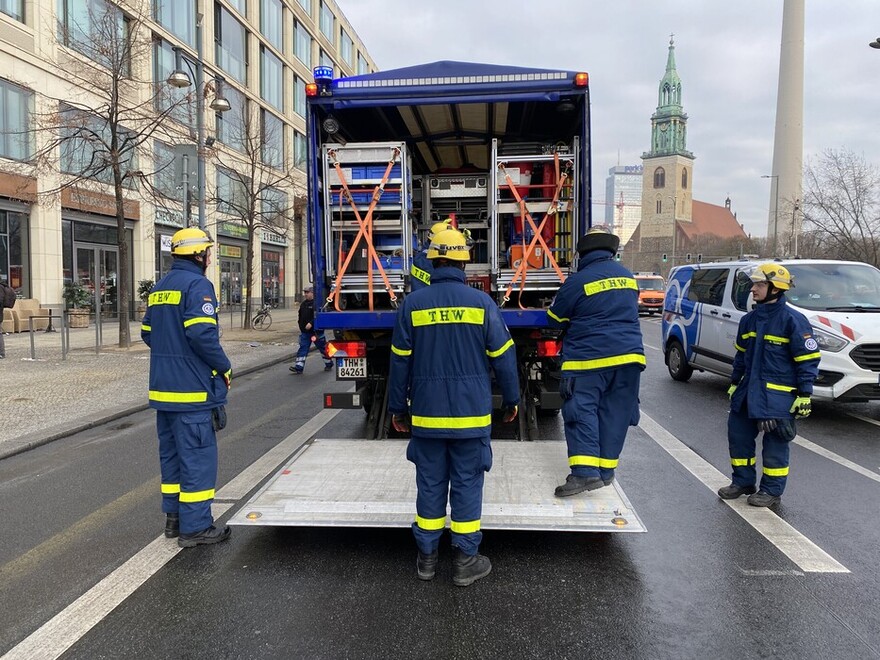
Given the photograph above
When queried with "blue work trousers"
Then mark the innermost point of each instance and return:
(597, 409)
(449, 470)
(305, 343)
(741, 435)
(188, 461)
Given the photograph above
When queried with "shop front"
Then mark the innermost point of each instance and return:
(231, 252)
(166, 223)
(272, 268)
(15, 270)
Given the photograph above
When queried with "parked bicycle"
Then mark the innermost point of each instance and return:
(262, 319)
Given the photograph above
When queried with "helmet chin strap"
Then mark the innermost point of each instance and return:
(773, 294)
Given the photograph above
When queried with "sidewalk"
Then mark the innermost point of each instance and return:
(49, 398)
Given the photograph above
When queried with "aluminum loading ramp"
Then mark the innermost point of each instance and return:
(369, 483)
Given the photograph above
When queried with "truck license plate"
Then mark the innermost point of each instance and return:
(351, 368)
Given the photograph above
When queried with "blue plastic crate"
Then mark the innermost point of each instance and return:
(359, 172)
(388, 197)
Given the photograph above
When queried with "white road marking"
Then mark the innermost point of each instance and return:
(799, 549)
(831, 456)
(653, 348)
(870, 420)
(769, 573)
(68, 626)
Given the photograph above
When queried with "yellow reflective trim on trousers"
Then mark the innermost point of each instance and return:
(431, 524)
(178, 397)
(419, 274)
(808, 356)
(439, 315)
(468, 527)
(610, 284)
(200, 319)
(743, 462)
(599, 363)
(400, 351)
(170, 489)
(495, 354)
(780, 388)
(593, 461)
(776, 339)
(747, 335)
(776, 472)
(738, 347)
(146, 328)
(197, 496)
(558, 319)
(164, 298)
(452, 422)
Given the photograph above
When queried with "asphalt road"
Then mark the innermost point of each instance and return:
(702, 582)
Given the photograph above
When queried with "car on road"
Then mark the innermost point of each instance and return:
(841, 299)
(652, 292)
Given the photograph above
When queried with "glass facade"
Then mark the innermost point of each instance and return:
(178, 17)
(231, 124)
(274, 204)
(14, 266)
(16, 105)
(346, 47)
(14, 8)
(231, 44)
(271, 78)
(178, 102)
(231, 193)
(362, 66)
(273, 278)
(302, 44)
(272, 22)
(91, 27)
(299, 96)
(164, 172)
(239, 5)
(272, 140)
(84, 146)
(327, 22)
(299, 150)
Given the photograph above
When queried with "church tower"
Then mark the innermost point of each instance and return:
(668, 169)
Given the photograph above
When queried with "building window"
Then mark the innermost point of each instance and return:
(14, 266)
(272, 22)
(16, 106)
(307, 5)
(84, 146)
(362, 66)
(274, 204)
(271, 78)
(299, 150)
(14, 8)
(327, 22)
(239, 5)
(325, 60)
(346, 47)
(272, 140)
(94, 28)
(178, 17)
(299, 96)
(231, 193)
(659, 206)
(177, 102)
(659, 178)
(165, 173)
(231, 44)
(302, 44)
(684, 178)
(231, 125)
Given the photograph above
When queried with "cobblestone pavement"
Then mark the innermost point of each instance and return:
(46, 398)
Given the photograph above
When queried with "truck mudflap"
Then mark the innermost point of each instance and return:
(369, 483)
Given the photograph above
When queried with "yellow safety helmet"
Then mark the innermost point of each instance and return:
(449, 244)
(437, 227)
(775, 274)
(190, 240)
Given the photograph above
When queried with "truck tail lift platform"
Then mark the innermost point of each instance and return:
(369, 483)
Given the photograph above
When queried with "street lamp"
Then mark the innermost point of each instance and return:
(776, 208)
(875, 43)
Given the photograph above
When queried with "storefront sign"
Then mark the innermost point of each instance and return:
(272, 237)
(268, 255)
(89, 201)
(15, 186)
(232, 229)
(169, 218)
(165, 243)
(230, 251)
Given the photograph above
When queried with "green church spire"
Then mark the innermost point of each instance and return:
(669, 121)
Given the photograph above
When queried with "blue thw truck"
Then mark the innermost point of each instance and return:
(505, 152)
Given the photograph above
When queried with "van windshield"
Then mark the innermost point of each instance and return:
(650, 284)
(835, 287)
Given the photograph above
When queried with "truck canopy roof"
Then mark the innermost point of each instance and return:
(451, 110)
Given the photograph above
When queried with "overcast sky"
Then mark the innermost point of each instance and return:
(727, 54)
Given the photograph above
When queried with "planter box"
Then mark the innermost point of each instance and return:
(78, 318)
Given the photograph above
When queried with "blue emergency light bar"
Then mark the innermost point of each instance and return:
(323, 74)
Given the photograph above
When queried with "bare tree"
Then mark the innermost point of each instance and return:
(841, 207)
(252, 182)
(104, 126)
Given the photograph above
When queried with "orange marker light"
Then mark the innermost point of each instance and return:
(580, 79)
(312, 89)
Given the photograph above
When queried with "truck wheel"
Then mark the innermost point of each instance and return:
(676, 362)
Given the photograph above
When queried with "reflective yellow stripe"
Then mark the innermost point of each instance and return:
(776, 472)
(738, 347)
(178, 397)
(593, 461)
(199, 319)
(808, 356)
(452, 422)
(400, 351)
(610, 284)
(779, 340)
(599, 363)
(420, 274)
(470, 315)
(468, 527)
(747, 335)
(170, 489)
(781, 388)
(495, 354)
(742, 462)
(558, 319)
(164, 298)
(198, 496)
(431, 524)
(146, 328)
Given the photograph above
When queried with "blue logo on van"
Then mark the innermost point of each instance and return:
(680, 318)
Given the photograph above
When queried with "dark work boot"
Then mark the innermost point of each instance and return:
(733, 491)
(205, 537)
(763, 499)
(172, 525)
(426, 565)
(574, 485)
(467, 569)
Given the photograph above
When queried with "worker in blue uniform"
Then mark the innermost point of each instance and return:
(189, 378)
(447, 341)
(421, 268)
(775, 366)
(602, 361)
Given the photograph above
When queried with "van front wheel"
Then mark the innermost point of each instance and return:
(676, 362)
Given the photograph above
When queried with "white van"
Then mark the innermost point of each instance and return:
(841, 299)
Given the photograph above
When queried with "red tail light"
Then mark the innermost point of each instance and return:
(549, 348)
(347, 349)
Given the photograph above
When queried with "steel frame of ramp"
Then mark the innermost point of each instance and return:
(369, 483)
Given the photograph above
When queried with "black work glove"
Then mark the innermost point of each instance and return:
(508, 413)
(218, 418)
(766, 425)
(786, 430)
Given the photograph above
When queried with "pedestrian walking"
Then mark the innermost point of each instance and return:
(447, 341)
(189, 378)
(308, 335)
(602, 361)
(775, 366)
(7, 300)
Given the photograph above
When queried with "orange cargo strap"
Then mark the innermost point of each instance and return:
(521, 270)
(365, 231)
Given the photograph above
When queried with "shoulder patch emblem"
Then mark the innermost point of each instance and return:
(208, 309)
(209, 299)
(811, 344)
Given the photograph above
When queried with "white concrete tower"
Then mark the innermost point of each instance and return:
(788, 144)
